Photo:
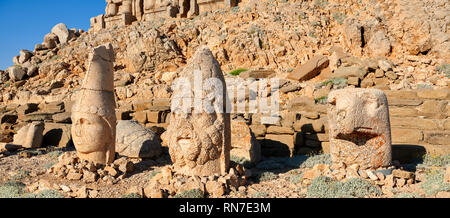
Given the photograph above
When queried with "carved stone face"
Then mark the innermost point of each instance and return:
(360, 127)
(199, 141)
(86, 130)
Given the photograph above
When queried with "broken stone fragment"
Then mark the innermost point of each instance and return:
(310, 69)
(136, 141)
(244, 143)
(30, 136)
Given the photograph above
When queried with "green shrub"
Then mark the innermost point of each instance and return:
(153, 174)
(260, 195)
(242, 161)
(322, 100)
(336, 82)
(408, 195)
(339, 17)
(298, 161)
(265, 176)
(434, 182)
(436, 160)
(295, 179)
(316, 159)
(48, 193)
(131, 195)
(48, 165)
(21, 174)
(12, 189)
(444, 68)
(326, 187)
(194, 193)
(55, 154)
(235, 9)
(237, 72)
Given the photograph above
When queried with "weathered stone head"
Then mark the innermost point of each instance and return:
(359, 125)
(199, 133)
(93, 113)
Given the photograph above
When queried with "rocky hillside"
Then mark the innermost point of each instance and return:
(313, 47)
(278, 35)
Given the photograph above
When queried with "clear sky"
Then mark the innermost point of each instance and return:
(24, 23)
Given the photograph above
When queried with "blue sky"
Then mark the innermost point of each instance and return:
(24, 23)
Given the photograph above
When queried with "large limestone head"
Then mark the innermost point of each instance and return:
(199, 134)
(359, 127)
(93, 113)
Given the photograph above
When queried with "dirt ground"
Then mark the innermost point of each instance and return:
(30, 167)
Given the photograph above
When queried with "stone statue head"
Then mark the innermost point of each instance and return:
(93, 113)
(360, 127)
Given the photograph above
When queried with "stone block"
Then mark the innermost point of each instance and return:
(434, 94)
(284, 144)
(414, 123)
(310, 69)
(407, 136)
(141, 116)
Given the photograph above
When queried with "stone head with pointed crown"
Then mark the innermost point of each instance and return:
(93, 113)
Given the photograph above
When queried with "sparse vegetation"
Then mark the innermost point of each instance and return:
(194, 193)
(298, 161)
(242, 161)
(131, 195)
(322, 100)
(55, 154)
(21, 174)
(237, 72)
(265, 176)
(424, 86)
(339, 17)
(296, 178)
(436, 160)
(444, 68)
(434, 182)
(48, 193)
(12, 189)
(408, 195)
(326, 187)
(48, 165)
(153, 174)
(260, 195)
(336, 82)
